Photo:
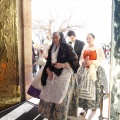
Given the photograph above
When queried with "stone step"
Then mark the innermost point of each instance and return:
(22, 111)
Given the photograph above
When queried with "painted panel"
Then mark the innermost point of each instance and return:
(9, 79)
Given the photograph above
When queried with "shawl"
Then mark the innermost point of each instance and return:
(65, 54)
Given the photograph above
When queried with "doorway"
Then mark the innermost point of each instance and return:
(81, 16)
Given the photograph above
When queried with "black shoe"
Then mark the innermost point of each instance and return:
(93, 109)
(84, 112)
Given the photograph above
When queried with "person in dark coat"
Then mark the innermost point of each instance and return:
(76, 44)
(34, 61)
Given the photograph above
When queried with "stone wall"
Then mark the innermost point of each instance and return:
(115, 63)
(25, 46)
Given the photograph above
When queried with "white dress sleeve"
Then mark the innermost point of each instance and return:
(100, 56)
(81, 57)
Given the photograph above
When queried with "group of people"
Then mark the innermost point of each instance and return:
(59, 95)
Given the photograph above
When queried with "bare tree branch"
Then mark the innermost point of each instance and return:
(56, 22)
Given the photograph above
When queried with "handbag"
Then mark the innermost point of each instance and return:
(36, 86)
(34, 92)
(41, 61)
(86, 86)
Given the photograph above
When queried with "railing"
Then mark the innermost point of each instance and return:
(102, 94)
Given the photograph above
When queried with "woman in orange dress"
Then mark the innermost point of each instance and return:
(91, 75)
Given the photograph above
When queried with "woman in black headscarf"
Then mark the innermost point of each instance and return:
(58, 96)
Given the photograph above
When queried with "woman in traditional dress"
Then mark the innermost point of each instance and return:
(91, 75)
(58, 97)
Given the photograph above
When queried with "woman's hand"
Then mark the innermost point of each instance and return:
(34, 63)
(84, 63)
(41, 50)
(50, 74)
(59, 65)
(89, 62)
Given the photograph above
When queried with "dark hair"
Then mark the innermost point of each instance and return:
(32, 42)
(92, 35)
(70, 33)
(62, 38)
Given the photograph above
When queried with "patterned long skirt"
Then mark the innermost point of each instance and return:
(101, 79)
(68, 107)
